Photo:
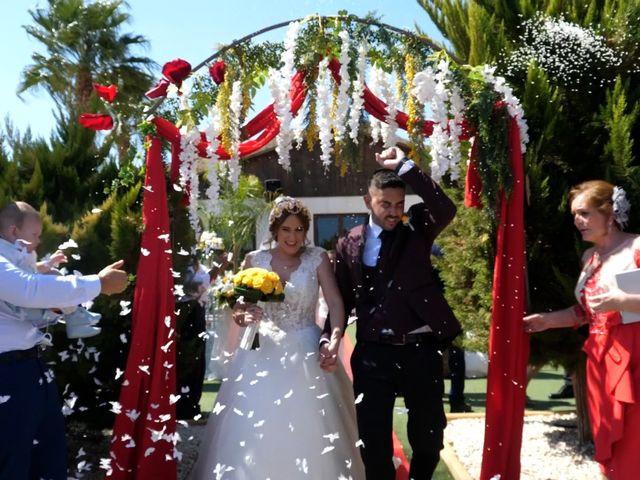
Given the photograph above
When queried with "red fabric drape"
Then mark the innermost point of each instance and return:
(508, 344)
(142, 444)
(472, 184)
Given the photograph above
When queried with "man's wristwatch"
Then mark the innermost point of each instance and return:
(402, 162)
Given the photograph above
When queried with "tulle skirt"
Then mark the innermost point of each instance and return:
(279, 416)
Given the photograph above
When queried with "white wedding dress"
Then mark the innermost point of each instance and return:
(279, 416)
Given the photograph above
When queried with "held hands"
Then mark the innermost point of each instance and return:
(112, 279)
(245, 314)
(329, 352)
(390, 158)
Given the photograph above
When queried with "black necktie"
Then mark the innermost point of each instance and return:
(386, 238)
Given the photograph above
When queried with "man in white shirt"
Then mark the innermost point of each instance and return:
(32, 443)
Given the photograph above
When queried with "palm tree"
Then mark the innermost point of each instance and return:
(83, 44)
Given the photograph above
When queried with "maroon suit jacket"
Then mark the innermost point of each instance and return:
(406, 292)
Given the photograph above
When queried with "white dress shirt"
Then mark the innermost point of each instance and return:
(33, 290)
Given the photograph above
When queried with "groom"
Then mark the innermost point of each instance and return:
(403, 321)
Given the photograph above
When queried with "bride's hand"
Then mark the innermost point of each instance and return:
(329, 354)
(246, 313)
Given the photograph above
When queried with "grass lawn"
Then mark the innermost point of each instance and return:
(547, 381)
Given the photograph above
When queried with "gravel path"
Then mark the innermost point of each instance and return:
(550, 448)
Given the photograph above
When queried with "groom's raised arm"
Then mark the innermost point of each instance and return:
(436, 206)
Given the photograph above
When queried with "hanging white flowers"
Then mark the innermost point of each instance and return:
(279, 83)
(376, 125)
(513, 103)
(390, 126)
(212, 133)
(342, 99)
(357, 94)
(233, 164)
(189, 180)
(323, 100)
(437, 90)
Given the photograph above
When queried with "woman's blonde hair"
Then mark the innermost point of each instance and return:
(598, 194)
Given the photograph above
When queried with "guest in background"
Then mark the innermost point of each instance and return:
(600, 212)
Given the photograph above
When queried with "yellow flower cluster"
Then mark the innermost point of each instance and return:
(259, 279)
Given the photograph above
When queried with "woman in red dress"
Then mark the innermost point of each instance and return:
(600, 212)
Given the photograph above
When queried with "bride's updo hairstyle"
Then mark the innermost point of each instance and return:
(283, 208)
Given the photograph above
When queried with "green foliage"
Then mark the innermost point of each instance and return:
(237, 214)
(578, 130)
(466, 269)
(619, 120)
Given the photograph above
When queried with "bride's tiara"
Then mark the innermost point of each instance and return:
(290, 205)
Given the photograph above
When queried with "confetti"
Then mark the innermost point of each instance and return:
(68, 244)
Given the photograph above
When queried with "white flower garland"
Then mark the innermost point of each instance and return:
(376, 124)
(513, 104)
(189, 140)
(213, 132)
(456, 108)
(323, 100)
(280, 84)
(233, 164)
(357, 94)
(385, 131)
(431, 88)
(342, 99)
(390, 126)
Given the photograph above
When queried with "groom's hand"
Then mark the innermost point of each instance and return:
(329, 354)
(390, 158)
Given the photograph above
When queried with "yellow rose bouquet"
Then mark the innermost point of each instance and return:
(251, 285)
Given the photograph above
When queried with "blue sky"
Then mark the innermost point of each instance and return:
(190, 29)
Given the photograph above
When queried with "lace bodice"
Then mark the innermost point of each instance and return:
(300, 294)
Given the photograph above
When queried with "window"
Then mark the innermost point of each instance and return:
(328, 227)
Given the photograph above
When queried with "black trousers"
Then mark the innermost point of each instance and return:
(191, 361)
(457, 370)
(380, 373)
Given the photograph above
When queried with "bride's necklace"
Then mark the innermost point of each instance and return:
(289, 264)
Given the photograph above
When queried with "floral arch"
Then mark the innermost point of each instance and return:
(318, 80)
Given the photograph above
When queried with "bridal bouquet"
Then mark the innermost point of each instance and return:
(250, 285)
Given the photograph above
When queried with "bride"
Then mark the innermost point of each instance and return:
(285, 411)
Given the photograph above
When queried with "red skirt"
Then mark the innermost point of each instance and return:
(613, 395)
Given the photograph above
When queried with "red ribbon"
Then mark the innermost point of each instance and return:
(96, 121)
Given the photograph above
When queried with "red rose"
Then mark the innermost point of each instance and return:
(96, 121)
(217, 71)
(176, 71)
(106, 93)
